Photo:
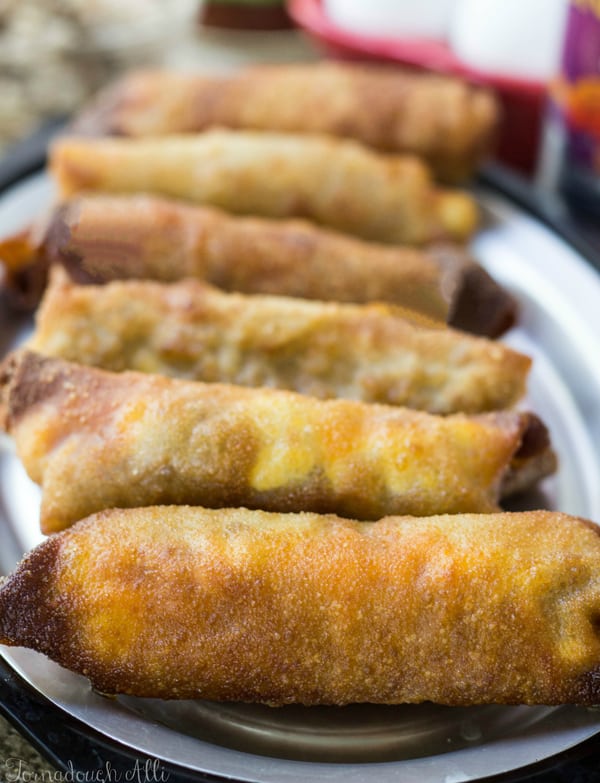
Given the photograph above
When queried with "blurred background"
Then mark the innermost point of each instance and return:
(55, 54)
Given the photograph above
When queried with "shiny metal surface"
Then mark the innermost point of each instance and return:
(560, 328)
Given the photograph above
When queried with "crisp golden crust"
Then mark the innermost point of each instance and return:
(445, 120)
(336, 183)
(191, 330)
(97, 440)
(232, 604)
(104, 238)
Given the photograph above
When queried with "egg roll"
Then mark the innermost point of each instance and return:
(446, 121)
(95, 439)
(336, 183)
(194, 331)
(100, 238)
(237, 605)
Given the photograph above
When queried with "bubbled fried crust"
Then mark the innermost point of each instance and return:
(161, 440)
(191, 330)
(449, 123)
(175, 602)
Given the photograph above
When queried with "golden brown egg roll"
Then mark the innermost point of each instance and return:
(336, 183)
(103, 238)
(95, 439)
(442, 119)
(194, 331)
(231, 604)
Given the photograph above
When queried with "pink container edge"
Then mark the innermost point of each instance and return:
(523, 102)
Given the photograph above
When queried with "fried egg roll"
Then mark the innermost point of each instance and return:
(194, 331)
(238, 605)
(95, 439)
(101, 238)
(336, 183)
(444, 120)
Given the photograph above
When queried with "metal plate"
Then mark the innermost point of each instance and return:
(560, 328)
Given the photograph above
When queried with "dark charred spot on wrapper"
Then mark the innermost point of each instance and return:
(481, 305)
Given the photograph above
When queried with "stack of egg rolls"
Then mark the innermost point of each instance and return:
(195, 445)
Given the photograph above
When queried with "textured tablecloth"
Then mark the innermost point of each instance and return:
(19, 762)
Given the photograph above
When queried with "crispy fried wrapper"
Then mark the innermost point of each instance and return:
(444, 120)
(96, 440)
(373, 353)
(231, 604)
(336, 183)
(101, 238)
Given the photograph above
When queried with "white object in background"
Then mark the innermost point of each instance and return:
(397, 18)
(521, 38)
